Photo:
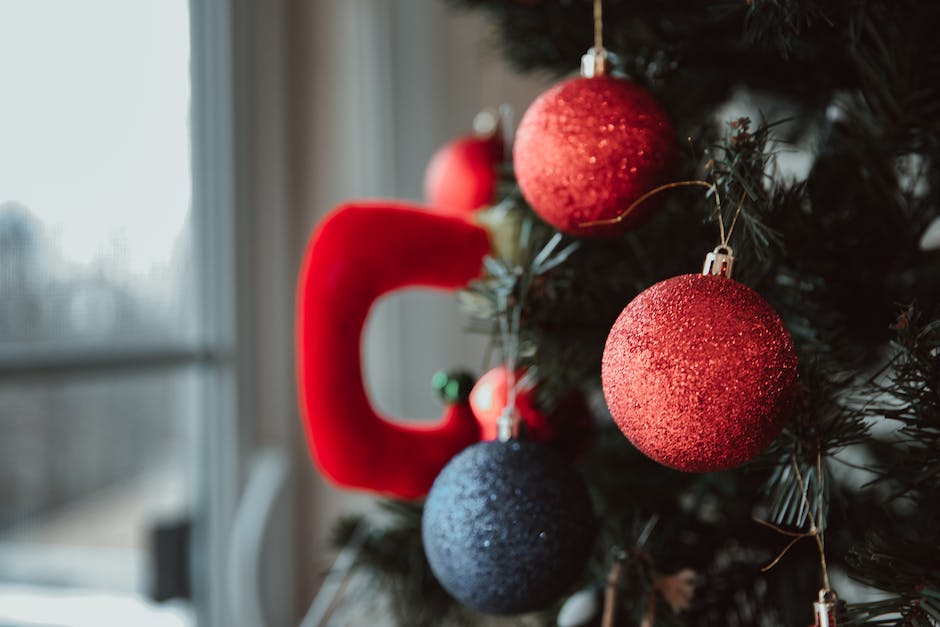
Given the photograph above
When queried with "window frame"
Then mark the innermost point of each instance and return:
(214, 140)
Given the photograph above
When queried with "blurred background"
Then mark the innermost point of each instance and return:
(162, 163)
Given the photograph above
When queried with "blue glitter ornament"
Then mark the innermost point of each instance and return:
(507, 526)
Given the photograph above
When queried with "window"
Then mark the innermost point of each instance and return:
(106, 360)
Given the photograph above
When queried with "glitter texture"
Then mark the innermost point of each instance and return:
(507, 527)
(699, 373)
(587, 148)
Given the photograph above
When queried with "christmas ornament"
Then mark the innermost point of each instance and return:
(829, 610)
(358, 253)
(462, 175)
(591, 146)
(507, 526)
(566, 428)
(490, 396)
(699, 371)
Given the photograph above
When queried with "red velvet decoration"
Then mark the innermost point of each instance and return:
(358, 253)
(461, 176)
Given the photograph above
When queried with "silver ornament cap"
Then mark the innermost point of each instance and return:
(594, 63)
(719, 262)
(829, 610)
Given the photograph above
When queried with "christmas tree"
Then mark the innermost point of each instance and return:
(783, 438)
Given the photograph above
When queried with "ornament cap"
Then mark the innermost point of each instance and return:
(594, 63)
(719, 262)
(829, 610)
(507, 425)
(487, 122)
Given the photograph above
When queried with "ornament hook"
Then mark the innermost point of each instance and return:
(594, 62)
(829, 609)
(719, 262)
(508, 424)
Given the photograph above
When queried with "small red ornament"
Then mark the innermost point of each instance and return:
(358, 253)
(490, 396)
(589, 147)
(461, 176)
(567, 427)
(699, 373)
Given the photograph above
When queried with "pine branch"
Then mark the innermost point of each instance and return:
(393, 560)
(741, 166)
(780, 25)
(913, 391)
(833, 254)
(906, 565)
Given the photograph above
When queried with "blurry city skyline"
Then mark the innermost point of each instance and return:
(94, 126)
(96, 258)
(95, 183)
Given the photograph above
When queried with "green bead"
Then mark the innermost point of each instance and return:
(453, 386)
(439, 381)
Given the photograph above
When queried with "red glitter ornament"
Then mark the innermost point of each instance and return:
(699, 373)
(461, 176)
(490, 396)
(588, 148)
